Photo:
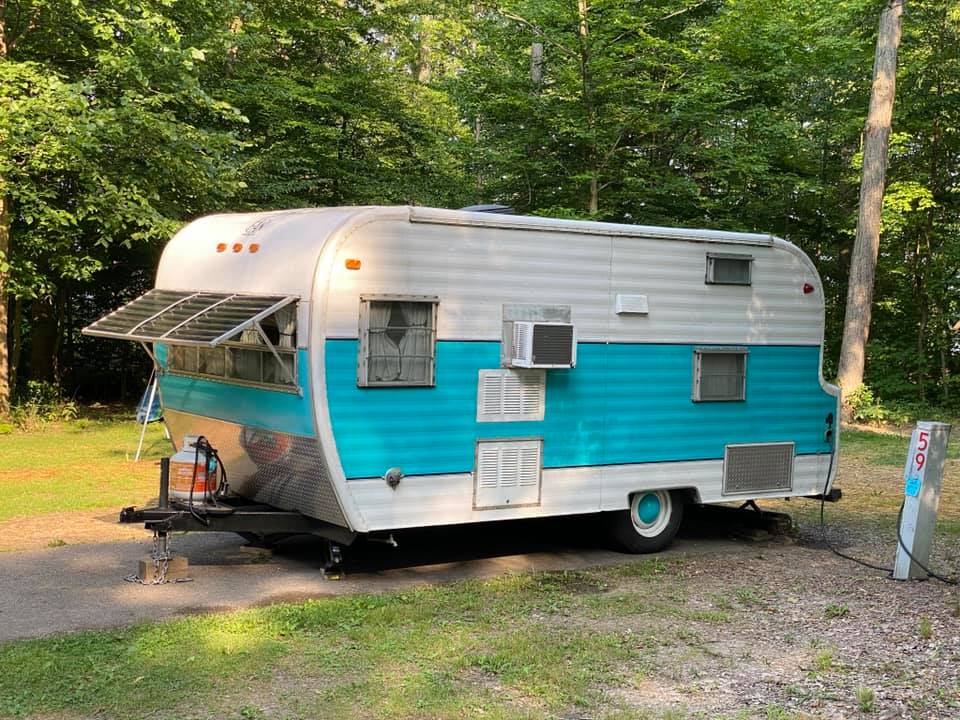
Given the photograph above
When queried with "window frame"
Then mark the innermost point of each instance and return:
(272, 351)
(698, 354)
(226, 347)
(363, 344)
(709, 278)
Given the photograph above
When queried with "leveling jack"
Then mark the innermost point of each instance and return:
(333, 563)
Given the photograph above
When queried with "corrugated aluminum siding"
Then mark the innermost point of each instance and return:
(476, 270)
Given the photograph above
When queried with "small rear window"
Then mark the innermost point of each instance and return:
(729, 269)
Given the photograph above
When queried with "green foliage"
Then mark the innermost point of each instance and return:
(836, 610)
(109, 136)
(864, 406)
(120, 121)
(866, 699)
(824, 660)
(42, 403)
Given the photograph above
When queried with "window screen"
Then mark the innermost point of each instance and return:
(729, 269)
(719, 375)
(398, 341)
(245, 357)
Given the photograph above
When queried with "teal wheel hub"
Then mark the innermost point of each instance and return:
(648, 509)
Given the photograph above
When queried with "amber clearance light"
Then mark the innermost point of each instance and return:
(352, 264)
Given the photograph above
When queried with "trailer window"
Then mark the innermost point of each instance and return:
(246, 358)
(398, 337)
(719, 374)
(728, 269)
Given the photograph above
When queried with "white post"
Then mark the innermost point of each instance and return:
(922, 477)
(146, 414)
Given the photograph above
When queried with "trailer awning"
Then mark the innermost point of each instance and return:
(187, 318)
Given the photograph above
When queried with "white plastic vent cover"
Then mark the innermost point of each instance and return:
(510, 395)
(507, 474)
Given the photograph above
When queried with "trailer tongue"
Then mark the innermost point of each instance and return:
(212, 508)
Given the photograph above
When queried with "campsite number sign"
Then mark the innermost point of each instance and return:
(918, 460)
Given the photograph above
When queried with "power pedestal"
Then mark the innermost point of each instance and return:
(922, 478)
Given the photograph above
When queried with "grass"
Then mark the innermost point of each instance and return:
(877, 448)
(81, 465)
(866, 698)
(836, 610)
(497, 648)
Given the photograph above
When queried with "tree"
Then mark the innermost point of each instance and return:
(110, 140)
(876, 140)
(4, 253)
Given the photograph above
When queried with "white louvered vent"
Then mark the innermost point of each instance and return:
(507, 395)
(508, 473)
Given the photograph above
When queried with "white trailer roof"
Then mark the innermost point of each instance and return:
(584, 227)
(277, 253)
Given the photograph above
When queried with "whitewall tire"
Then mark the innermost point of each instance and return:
(650, 523)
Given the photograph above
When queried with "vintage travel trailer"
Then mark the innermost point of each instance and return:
(377, 368)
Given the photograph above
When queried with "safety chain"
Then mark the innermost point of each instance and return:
(161, 562)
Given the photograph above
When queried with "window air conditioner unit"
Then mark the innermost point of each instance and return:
(544, 345)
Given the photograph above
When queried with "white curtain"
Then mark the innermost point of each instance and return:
(416, 348)
(400, 342)
(384, 362)
(286, 319)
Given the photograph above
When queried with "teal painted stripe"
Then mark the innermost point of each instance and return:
(258, 407)
(622, 404)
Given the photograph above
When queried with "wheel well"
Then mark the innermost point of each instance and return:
(690, 494)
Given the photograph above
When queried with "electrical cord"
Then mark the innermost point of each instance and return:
(864, 563)
(823, 526)
(193, 482)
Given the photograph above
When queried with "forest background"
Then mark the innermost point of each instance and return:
(120, 121)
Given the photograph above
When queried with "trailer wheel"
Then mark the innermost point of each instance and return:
(650, 523)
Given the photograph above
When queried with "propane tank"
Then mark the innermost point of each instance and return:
(182, 475)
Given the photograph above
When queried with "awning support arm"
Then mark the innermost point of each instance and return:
(263, 335)
(148, 351)
(254, 320)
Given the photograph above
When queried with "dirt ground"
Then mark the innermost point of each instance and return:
(65, 528)
(811, 635)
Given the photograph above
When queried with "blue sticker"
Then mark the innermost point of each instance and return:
(913, 487)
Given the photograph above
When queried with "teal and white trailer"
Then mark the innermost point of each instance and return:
(377, 368)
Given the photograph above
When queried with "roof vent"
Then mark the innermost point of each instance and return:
(490, 208)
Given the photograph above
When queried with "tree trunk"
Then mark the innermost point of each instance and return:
(536, 66)
(43, 339)
(863, 264)
(583, 8)
(15, 350)
(423, 51)
(4, 253)
(4, 352)
(945, 340)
